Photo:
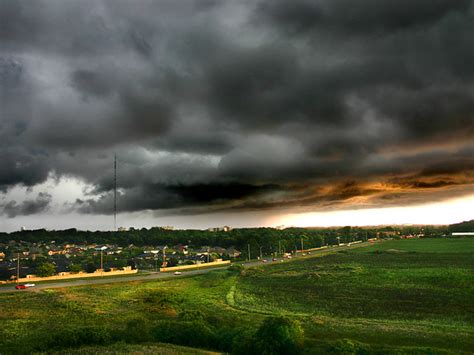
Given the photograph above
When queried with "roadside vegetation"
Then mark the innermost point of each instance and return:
(401, 296)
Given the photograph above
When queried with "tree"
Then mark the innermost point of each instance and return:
(75, 268)
(5, 273)
(91, 267)
(279, 335)
(46, 269)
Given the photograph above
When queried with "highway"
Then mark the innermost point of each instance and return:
(163, 275)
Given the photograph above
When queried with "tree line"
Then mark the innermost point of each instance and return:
(265, 239)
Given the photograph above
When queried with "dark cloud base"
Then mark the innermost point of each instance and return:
(231, 105)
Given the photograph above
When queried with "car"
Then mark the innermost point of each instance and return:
(30, 285)
(264, 260)
(23, 286)
(177, 272)
(274, 259)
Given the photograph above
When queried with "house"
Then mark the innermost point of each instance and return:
(220, 229)
(56, 252)
(232, 252)
(219, 250)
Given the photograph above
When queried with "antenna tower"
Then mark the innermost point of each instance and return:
(115, 192)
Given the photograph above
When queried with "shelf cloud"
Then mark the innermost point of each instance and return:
(214, 106)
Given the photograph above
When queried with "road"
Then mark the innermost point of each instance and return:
(161, 275)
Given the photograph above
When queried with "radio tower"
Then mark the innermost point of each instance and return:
(115, 192)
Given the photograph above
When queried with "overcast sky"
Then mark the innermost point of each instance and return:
(235, 112)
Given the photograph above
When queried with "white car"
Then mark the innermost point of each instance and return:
(30, 285)
(177, 272)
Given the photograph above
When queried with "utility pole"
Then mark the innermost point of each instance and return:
(302, 248)
(279, 247)
(248, 246)
(207, 254)
(164, 256)
(101, 261)
(17, 267)
(261, 255)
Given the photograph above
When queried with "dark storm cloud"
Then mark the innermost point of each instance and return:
(365, 17)
(161, 196)
(90, 83)
(27, 207)
(215, 105)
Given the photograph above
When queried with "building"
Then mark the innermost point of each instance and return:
(220, 229)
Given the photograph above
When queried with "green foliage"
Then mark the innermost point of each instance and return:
(243, 343)
(75, 268)
(235, 268)
(424, 245)
(279, 335)
(137, 330)
(350, 347)
(394, 302)
(191, 315)
(267, 238)
(46, 269)
(466, 226)
(91, 267)
(75, 336)
(195, 333)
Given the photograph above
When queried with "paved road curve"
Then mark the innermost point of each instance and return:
(158, 275)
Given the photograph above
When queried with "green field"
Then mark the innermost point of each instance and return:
(407, 296)
(438, 245)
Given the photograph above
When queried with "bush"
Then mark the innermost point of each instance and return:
(279, 335)
(235, 268)
(195, 334)
(191, 315)
(75, 268)
(46, 269)
(243, 344)
(90, 268)
(71, 337)
(349, 347)
(137, 331)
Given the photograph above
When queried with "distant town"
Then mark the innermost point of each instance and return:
(42, 253)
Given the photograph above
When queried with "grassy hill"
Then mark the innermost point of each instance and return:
(137, 349)
(406, 296)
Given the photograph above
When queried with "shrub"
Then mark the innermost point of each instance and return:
(195, 334)
(137, 331)
(69, 337)
(46, 269)
(75, 268)
(191, 315)
(235, 268)
(349, 347)
(279, 335)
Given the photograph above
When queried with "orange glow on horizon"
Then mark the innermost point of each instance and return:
(447, 212)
